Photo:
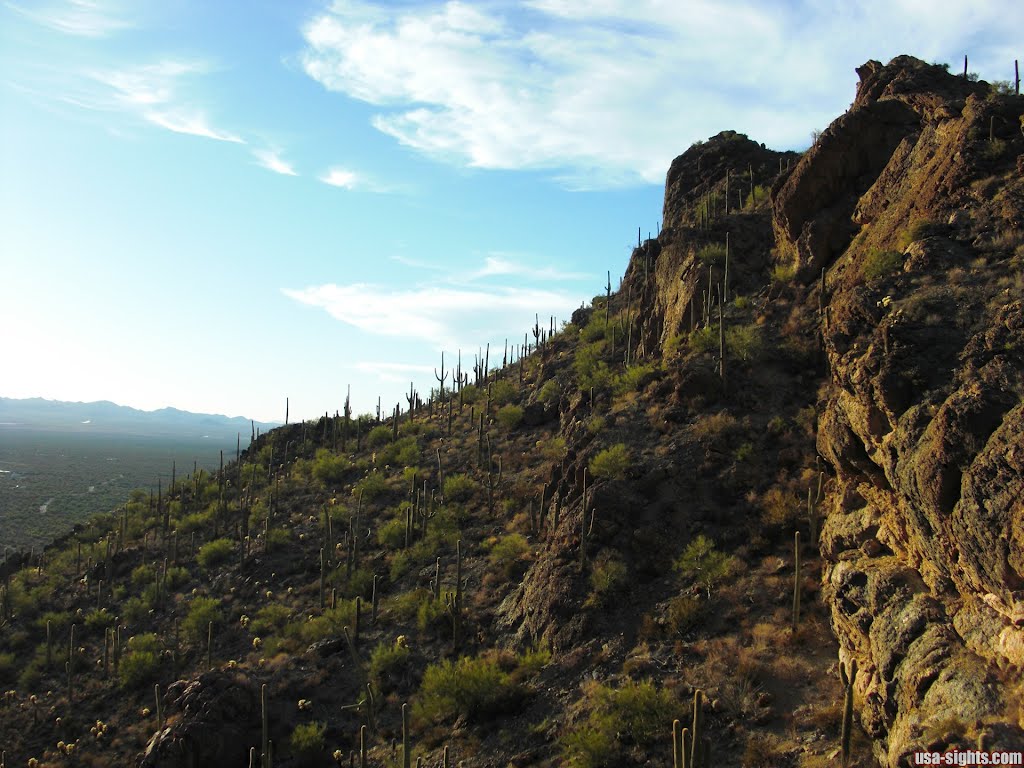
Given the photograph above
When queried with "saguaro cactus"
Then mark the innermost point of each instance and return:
(847, 732)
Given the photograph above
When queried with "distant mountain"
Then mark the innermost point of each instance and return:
(105, 417)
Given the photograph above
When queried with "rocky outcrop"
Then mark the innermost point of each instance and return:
(212, 720)
(924, 416)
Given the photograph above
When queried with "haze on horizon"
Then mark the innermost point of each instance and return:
(215, 206)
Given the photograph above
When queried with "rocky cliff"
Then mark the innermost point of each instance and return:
(902, 233)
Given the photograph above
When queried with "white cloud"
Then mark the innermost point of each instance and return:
(193, 124)
(606, 93)
(272, 162)
(339, 177)
(447, 317)
(394, 372)
(82, 18)
(503, 265)
(153, 93)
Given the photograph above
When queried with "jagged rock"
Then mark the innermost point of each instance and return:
(923, 421)
(215, 719)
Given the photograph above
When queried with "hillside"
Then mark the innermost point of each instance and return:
(787, 447)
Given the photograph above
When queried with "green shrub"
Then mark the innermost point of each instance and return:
(307, 740)
(594, 330)
(703, 563)
(503, 392)
(473, 688)
(880, 263)
(633, 378)
(756, 197)
(201, 611)
(783, 273)
(391, 534)
(712, 254)
(371, 486)
(430, 612)
(404, 452)
(555, 448)
(215, 552)
(550, 392)
(7, 668)
(611, 463)
(591, 370)
(704, 340)
(919, 230)
(743, 341)
(684, 613)
(378, 436)
(510, 416)
(635, 714)
(143, 575)
(388, 663)
(96, 621)
(142, 661)
(330, 468)
(270, 619)
(507, 552)
(458, 487)
(607, 577)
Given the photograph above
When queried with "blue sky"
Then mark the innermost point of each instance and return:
(217, 205)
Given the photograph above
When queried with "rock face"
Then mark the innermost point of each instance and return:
(923, 420)
(213, 720)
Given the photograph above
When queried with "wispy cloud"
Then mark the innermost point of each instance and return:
(83, 18)
(272, 161)
(340, 177)
(156, 93)
(605, 93)
(447, 317)
(393, 372)
(507, 265)
(193, 124)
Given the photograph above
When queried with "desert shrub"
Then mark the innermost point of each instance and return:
(215, 552)
(550, 392)
(378, 436)
(919, 230)
(371, 486)
(596, 424)
(704, 340)
(779, 508)
(756, 197)
(712, 254)
(143, 575)
(611, 463)
(142, 662)
(762, 751)
(331, 623)
(201, 611)
(510, 416)
(98, 620)
(684, 613)
(270, 619)
(430, 613)
(633, 378)
(307, 740)
(458, 487)
(392, 533)
(507, 552)
(7, 668)
(714, 427)
(744, 341)
(593, 330)
(880, 263)
(607, 577)
(619, 719)
(554, 449)
(404, 452)
(472, 688)
(783, 273)
(330, 468)
(388, 662)
(701, 562)
(278, 537)
(503, 392)
(591, 370)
